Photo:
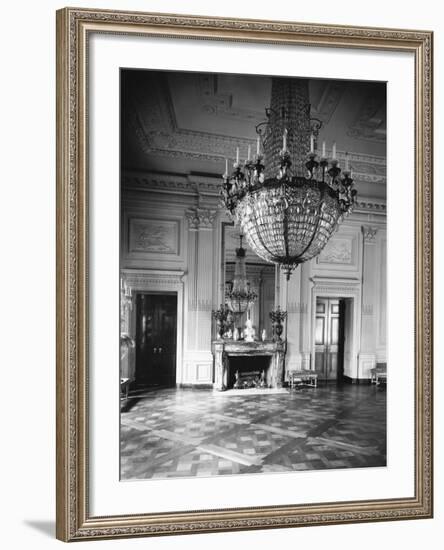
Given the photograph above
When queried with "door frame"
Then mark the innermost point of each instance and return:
(324, 287)
(157, 281)
(136, 294)
(340, 315)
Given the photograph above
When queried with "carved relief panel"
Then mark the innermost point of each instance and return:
(151, 241)
(337, 251)
(153, 236)
(341, 254)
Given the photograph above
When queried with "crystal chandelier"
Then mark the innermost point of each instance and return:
(288, 200)
(239, 297)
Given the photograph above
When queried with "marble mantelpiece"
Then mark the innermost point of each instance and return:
(224, 349)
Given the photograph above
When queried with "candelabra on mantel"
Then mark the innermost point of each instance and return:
(277, 317)
(288, 199)
(224, 319)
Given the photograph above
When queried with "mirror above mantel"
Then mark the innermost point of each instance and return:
(261, 276)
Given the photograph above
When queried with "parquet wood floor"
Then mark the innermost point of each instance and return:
(184, 433)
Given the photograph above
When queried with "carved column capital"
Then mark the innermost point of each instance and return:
(369, 233)
(200, 218)
(206, 217)
(193, 219)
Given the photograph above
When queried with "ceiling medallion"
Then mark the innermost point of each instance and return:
(288, 200)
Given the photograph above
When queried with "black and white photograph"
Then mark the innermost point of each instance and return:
(253, 274)
(221, 287)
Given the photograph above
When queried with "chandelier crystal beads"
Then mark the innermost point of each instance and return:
(288, 200)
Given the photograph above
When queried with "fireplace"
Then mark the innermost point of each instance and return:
(245, 371)
(240, 364)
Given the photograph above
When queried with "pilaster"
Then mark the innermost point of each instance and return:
(305, 327)
(295, 310)
(198, 363)
(370, 277)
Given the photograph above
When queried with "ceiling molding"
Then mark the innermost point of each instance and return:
(151, 116)
(370, 122)
(217, 104)
(190, 144)
(202, 146)
(210, 187)
(328, 101)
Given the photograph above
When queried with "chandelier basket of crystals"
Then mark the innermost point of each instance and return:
(239, 296)
(288, 199)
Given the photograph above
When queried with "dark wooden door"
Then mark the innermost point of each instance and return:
(329, 337)
(156, 318)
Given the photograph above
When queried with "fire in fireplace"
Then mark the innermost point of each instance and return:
(248, 372)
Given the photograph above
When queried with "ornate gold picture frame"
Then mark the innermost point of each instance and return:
(75, 27)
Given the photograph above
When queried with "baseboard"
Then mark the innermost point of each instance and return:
(196, 385)
(350, 380)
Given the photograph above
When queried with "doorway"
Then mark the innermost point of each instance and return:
(329, 339)
(156, 328)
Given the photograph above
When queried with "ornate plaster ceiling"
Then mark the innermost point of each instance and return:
(188, 123)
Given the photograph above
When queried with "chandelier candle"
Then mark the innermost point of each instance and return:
(287, 203)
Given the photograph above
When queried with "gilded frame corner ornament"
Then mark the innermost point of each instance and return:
(73, 519)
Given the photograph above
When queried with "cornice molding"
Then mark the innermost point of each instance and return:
(194, 185)
(142, 279)
(334, 285)
(378, 206)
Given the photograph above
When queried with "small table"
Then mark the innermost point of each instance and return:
(381, 378)
(378, 375)
(302, 378)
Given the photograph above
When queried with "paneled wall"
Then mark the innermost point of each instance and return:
(171, 236)
(172, 230)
